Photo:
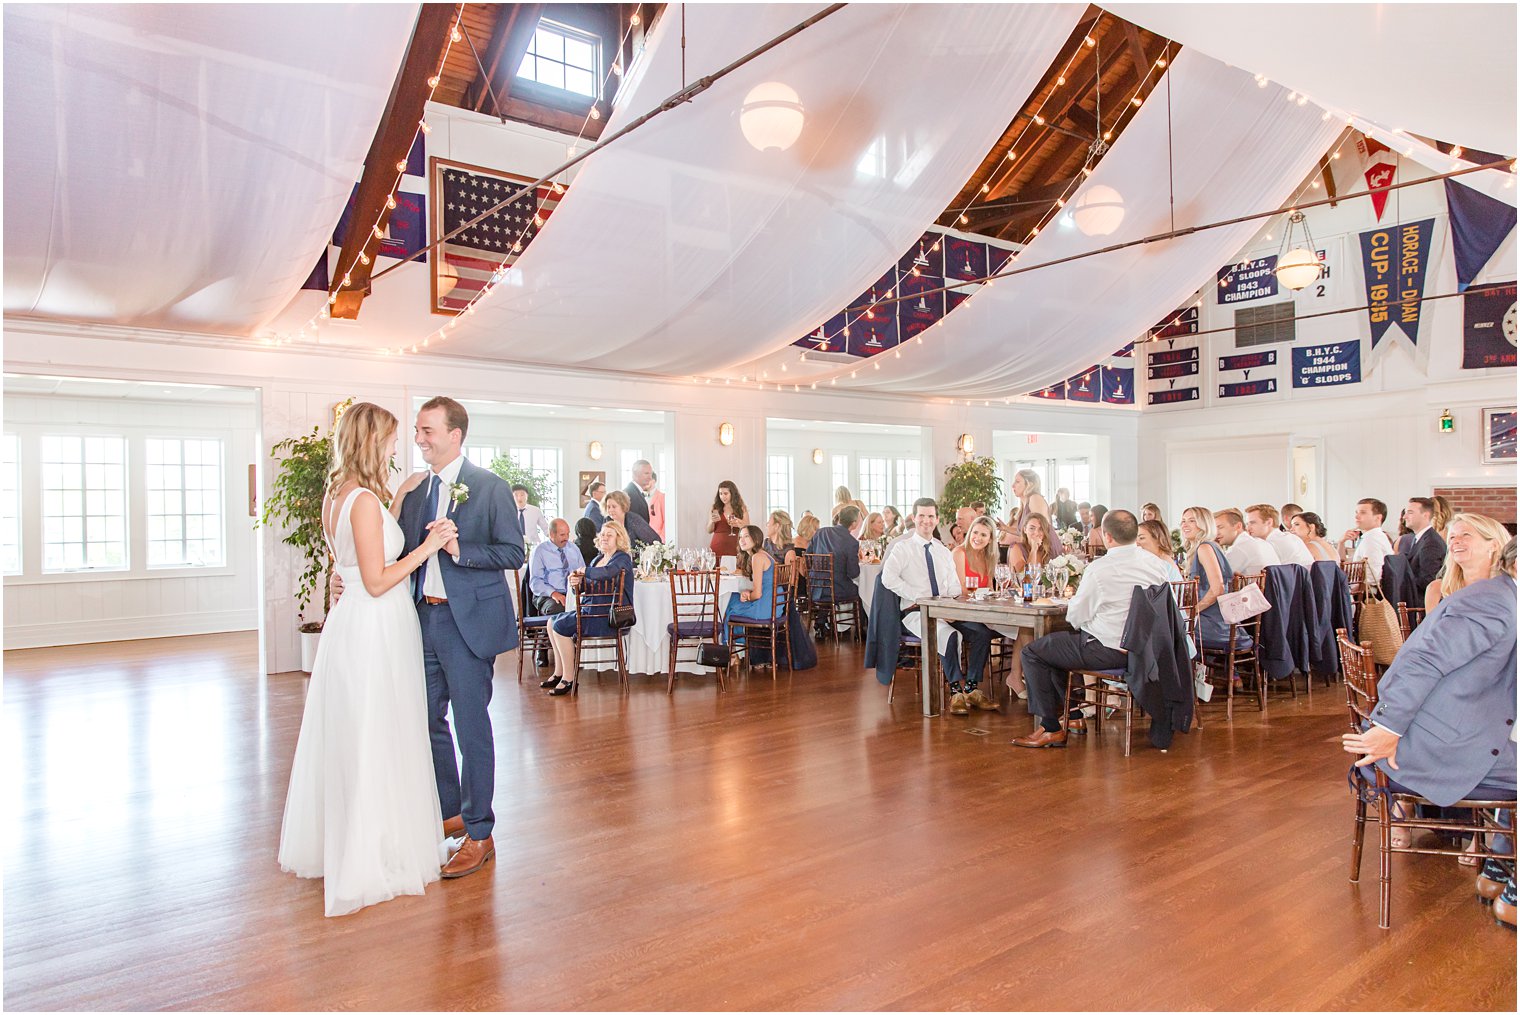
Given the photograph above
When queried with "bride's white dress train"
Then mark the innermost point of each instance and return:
(362, 811)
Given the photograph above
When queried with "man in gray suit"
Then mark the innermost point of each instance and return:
(1445, 721)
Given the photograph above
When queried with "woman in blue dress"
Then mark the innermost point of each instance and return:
(1207, 562)
(613, 560)
(760, 568)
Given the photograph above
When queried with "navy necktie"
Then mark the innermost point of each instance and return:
(429, 513)
(522, 521)
(933, 578)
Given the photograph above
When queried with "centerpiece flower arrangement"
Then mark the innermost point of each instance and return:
(657, 559)
(1071, 537)
(1067, 569)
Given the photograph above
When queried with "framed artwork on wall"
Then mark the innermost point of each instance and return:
(1499, 435)
(587, 478)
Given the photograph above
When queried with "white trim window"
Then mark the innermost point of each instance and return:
(562, 57)
(778, 484)
(10, 506)
(186, 520)
(875, 482)
(908, 472)
(839, 472)
(84, 503)
(544, 462)
(480, 454)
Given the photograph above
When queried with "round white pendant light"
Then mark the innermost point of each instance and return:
(1098, 211)
(1297, 268)
(771, 117)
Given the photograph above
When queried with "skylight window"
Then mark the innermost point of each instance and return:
(562, 57)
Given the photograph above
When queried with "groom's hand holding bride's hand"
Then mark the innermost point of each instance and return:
(442, 535)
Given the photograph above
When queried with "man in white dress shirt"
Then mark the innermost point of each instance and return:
(1371, 542)
(1097, 615)
(922, 567)
(1261, 523)
(1246, 553)
(534, 526)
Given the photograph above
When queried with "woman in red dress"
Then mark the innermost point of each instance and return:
(728, 516)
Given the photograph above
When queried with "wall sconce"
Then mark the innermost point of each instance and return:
(817, 456)
(726, 434)
(594, 451)
(966, 446)
(1448, 422)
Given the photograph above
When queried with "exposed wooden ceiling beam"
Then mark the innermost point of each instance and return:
(393, 140)
(1329, 178)
(509, 44)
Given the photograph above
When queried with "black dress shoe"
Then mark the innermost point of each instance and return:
(546, 684)
(564, 687)
(541, 660)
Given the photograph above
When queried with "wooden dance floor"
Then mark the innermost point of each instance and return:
(786, 845)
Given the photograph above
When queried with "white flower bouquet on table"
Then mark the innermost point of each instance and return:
(1067, 572)
(656, 559)
(1071, 537)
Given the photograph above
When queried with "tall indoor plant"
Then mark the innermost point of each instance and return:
(974, 481)
(295, 504)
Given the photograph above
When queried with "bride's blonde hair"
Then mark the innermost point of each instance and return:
(359, 449)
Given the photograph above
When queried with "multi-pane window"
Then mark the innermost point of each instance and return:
(1075, 475)
(839, 469)
(626, 458)
(10, 506)
(875, 479)
(545, 463)
(184, 487)
(481, 454)
(908, 473)
(84, 503)
(778, 483)
(561, 57)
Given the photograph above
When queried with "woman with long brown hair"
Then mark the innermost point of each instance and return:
(728, 516)
(362, 811)
(1032, 548)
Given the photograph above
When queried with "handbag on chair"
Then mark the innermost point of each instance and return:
(1380, 626)
(1238, 607)
(714, 655)
(620, 617)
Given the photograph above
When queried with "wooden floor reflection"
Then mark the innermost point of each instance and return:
(787, 845)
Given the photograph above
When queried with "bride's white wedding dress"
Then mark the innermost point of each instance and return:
(362, 812)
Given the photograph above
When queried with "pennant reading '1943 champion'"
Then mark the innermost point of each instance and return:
(1394, 263)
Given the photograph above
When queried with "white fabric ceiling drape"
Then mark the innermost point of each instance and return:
(1236, 149)
(681, 249)
(1498, 184)
(1444, 70)
(183, 166)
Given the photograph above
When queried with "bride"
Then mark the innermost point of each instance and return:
(362, 812)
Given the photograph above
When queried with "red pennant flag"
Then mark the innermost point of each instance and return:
(1379, 176)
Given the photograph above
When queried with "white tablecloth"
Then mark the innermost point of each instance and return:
(868, 575)
(648, 645)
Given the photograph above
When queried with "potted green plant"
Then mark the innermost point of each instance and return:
(974, 481)
(538, 483)
(295, 505)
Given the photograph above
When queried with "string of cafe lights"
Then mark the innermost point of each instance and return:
(313, 324)
(1095, 152)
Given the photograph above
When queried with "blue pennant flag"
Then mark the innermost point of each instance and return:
(1395, 260)
(1479, 225)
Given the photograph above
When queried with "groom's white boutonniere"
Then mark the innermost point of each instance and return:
(458, 494)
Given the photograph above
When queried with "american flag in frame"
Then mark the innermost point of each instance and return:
(465, 263)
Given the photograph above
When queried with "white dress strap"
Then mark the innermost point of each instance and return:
(336, 543)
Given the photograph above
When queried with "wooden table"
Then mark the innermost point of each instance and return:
(1041, 620)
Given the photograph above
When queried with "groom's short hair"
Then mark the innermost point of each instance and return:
(453, 413)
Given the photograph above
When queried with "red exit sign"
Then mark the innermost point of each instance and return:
(1032, 438)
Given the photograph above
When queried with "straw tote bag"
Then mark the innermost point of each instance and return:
(1380, 626)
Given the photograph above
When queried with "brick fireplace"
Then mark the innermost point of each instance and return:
(1497, 502)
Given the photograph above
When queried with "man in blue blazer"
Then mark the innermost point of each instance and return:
(466, 616)
(596, 491)
(1445, 721)
(1427, 550)
(842, 540)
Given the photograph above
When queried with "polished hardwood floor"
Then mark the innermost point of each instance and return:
(795, 844)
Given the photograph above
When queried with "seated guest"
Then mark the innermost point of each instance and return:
(894, 521)
(529, 516)
(1441, 514)
(807, 528)
(1289, 512)
(727, 517)
(1032, 550)
(1405, 541)
(779, 541)
(760, 568)
(920, 568)
(1310, 530)
(1427, 550)
(634, 527)
(1444, 723)
(1151, 513)
(1208, 563)
(1154, 538)
(595, 492)
(1261, 523)
(1097, 615)
(876, 526)
(957, 535)
(1065, 509)
(843, 541)
(1368, 540)
(613, 560)
(549, 571)
(1084, 516)
(1472, 555)
(976, 566)
(585, 538)
(1248, 555)
(1095, 543)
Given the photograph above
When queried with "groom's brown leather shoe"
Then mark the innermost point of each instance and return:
(453, 827)
(471, 857)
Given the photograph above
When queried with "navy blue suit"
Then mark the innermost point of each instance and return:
(594, 512)
(836, 539)
(462, 637)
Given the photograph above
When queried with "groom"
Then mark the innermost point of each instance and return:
(466, 616)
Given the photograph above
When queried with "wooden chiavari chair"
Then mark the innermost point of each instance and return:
(1409, 619)
(824, 598)
(772, 630)
(694, 616)
(1238, 655)
(532, 632)
(595, 599)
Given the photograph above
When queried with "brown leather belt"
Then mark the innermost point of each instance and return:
(434, 600)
